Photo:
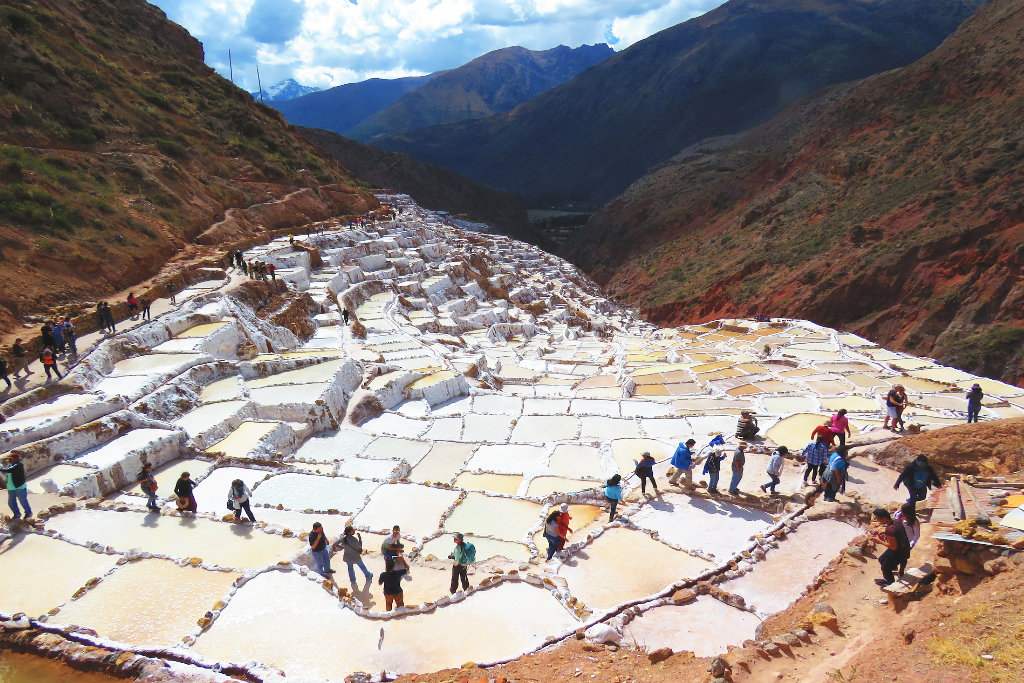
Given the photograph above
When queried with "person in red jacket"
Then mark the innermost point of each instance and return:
(825, 431)
(49, 362)
(563, 525)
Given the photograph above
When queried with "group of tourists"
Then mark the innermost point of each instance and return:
(556, 529)
(255, 270)
(138, 307)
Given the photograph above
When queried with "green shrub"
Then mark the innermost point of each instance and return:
(19, 21)
(157, 100)
(33, 207)
(170, 148)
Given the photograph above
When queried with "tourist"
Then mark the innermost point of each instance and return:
(146, 303)
(563, 525)
(844, 455)
(58, 337)
(974, 397)
(345, 315)
(49, 362)
(682, 461)
(895, 402)
(133, 305)
(918, 476)
(840, 426)
(3, 373)
(613, 494)
(171, 289)
(775, 465)
(907, 516)
(464, 554)
(713, 468)
(47, 333)
(739, 459)
(551, 533)
(834, 476)
(392, 546)
(321, 552)
(273, 271)
(352, 554)
(183, 490)
(816, 457)
(746, 426)
(394, 569)
(238, 498)
(16, 488)
(20, 358)
(70, 335)
(147, 482)
(824, 430)
(893, 536)
(645, 470)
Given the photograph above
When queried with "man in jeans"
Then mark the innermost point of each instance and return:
(739, 459)
(16, 489)
(321, 553)
(464, 555)
(894, 537)
(148, 485)
(682, 461)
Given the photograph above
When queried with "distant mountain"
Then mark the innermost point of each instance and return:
(284, 91)
(491, 84)
(892, 207)
(431, 186)
(721, 73)
(340, 108)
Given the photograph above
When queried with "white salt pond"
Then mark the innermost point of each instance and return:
(486, 548)
(228, 545)
(706, 627)
(717, 528)
(332, 446)
(238, 443)
(416, 509)
(114, 451)
(49, 410)
(156, 364)
(502, 518)
(528, 616)
(206, 417)
(60, 475)
(311, 491)
(212, 492)
(168, 473)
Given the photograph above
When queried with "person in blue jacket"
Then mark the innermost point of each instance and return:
(613, 494)
(682, 461)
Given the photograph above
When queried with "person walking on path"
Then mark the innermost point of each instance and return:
(352, 554)
(613, 494)
(273, 271)
(775, 465)
(645, 470)
(816, 456)
(974, 397)
(133, 305)
(344, 315)
(3, 373)
(840, 426)
(824, 430)
(682, 461)
(58, 337)
(146, 303)
(463, 555)
(551, 533)
(563, 525)
(238, 496)
(907, 516)
(888, 533)
(834, 477)
(47, 333)
(20, 358)
(739, 459)
(844, 455)
(895, 402)
(170, 292)
(147, 482)
(321, 550)
(713, 468)
(918, 476)
(394, 569)
(49, 362)
(16, 489)
(70, 335)
(183, 490)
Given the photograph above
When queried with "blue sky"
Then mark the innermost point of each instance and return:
(330, 42)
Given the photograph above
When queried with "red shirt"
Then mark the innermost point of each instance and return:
(822, 430)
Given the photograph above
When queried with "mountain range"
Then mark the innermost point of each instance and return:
(284, 91)
(892, 207)
(721, 73)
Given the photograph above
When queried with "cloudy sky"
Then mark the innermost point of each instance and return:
(330, 42)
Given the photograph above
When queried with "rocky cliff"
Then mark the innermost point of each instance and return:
(893, 208)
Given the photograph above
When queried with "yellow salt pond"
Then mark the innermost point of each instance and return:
(503, 518)
(545, 486)
(202, 330)
(794, 432)
(500, 483)
(570, 460)
(442, 462)
(238, 443)
(19, 668)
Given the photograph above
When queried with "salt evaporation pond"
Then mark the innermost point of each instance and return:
(334, 445)
(716, 528)
(503, 518)
(416, 509)
(311, 491)
(262, 606)
(706, 627)
(41, 412)
(114, 451)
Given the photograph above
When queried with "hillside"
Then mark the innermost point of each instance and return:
(431, 186)
(721, 73)
(893, 208)
(342, 107)
(491, 84)
(118, 147)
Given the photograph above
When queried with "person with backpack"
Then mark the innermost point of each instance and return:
(974, 397)
(613, 494)
(238, 500)
(20, 358)
(463, 555)
(352, 554)
(682, 461)
(147, 482)
(918, 476)
(888, 533)
(645, 470)
(58, 337)
(713, 468)
(47, 333)
(170, 292)
(49, 362)
(775, 465)
(345, 315)
(3, 373)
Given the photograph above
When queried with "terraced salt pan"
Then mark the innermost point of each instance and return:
(161, 618)
(226, 389)
(789, 404)
(168, 473)
(599, 576)
(367, 468)
(208, 416)
(498, 483)
(504, 518)
(672, 429)
(304, 491)
(60, 475)
(202, 331)
(312, 374)
(129, 385)
(331, 446)
(289, 394)
(486, 548)
(541, 428)
(396, 425)
(411, 644)
(389, 448)
(40, 572)
(19, 668)
(705, 627)
(484, 428)
(212, 492)
(716, 528)
(508, 459)
(225, 544)
(114, 451)
(238, 443)
(546, 406)
(416, 509)
(607, 428)
(156, 364)
(626, 452)
(442, 462)
(444, 429)
(570, 460)
(43, 412)
(545, 486)
(794, 432)
(178, 346)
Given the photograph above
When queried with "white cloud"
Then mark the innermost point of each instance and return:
(330, 42)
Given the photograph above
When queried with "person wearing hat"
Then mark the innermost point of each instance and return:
(563, 525)
(974, 397)
(918, 476)
(682, 461)
(183, 490)
(713, 468)
(645, 470)
(16, 489)
(775, 465)
(746, 426)
(739, 459)
(464, 554)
